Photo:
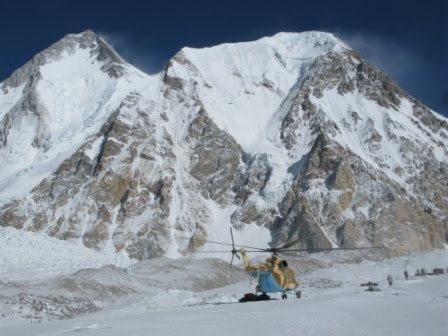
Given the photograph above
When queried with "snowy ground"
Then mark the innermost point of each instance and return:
(197, 297)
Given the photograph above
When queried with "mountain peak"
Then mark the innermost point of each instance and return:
(86, 37)
(264, 70)
(306, 44)
(318, 38)
(290, 135)
(89, 39)
(67, 46)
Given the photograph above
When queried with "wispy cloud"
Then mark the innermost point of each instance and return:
(404, 63)
(395, 59)
(135, 52)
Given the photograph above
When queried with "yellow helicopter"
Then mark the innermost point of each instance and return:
(274, 275)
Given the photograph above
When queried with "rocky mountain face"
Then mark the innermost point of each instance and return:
(291, 136)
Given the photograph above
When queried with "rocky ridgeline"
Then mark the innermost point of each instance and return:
(161, 160)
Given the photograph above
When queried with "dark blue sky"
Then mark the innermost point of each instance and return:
(406, 39)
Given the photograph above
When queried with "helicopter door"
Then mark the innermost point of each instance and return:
(268, 284)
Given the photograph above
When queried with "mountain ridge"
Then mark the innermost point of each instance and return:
(288, 135)
(68, 45)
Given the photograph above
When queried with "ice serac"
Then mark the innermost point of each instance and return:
(291, 136)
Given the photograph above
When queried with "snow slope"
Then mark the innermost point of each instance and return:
(71, 99)
(31, 256)
(332, 303)
(247, 81)
(413, 308)
(242, 87)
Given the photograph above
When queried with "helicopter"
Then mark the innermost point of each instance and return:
(274, 275)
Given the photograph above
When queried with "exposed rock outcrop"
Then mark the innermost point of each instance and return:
(335, 154)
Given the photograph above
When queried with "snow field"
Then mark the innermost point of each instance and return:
(332, 303)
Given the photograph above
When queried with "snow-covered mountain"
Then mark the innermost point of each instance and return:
(291, 136)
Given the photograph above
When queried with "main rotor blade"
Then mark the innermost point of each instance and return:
(284, 248)
(231, 236)
(331, 249)
(274, 250)
(247, 251)
(287, 245)
(234, 251)
(221, 243)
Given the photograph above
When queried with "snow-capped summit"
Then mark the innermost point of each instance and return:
(69, 45)
(51, 105)
(290, 136)
(253, 77)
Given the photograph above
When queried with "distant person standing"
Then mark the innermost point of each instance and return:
(406, 274)
(390, 280)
